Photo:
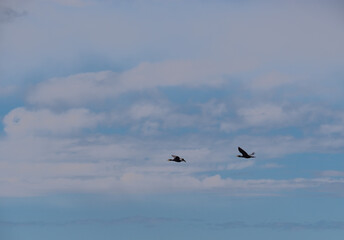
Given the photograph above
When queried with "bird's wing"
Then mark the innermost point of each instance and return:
(242, 151)
(176, 157)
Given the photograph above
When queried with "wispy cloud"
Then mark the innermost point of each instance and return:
(146, 221)
(114, 177)
(198, 93)
(81, 89)
(44, 122)
(331, 173)
(285, 226)
(272, 165)
(135, 220)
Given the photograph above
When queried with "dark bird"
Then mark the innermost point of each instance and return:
(176, 159)
(244, 154)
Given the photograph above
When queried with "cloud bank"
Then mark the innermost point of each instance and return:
(101, 103)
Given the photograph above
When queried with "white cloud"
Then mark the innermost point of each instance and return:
(149, 117)
(75, 90)
(145, 110)
(272, 165)
(240, 165)
(272, 115)
(174, 73)
(45, 148)
(263, 114)
(258, 33)
(336, 127)
(332, 173)
(79, 89)
(21, 122)
(271, 81)
(229, 126)
(214, 108)
(38, 179)
(332, 129)
(114, 165)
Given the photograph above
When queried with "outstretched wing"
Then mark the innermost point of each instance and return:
(176, 158)
(242, 151)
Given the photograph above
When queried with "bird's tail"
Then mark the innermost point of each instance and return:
(252, 153)
(169, 159)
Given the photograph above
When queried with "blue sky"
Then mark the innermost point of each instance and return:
(96, 95)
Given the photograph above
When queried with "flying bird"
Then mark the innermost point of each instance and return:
(244, 154)
(176, 159)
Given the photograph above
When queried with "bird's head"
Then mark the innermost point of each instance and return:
(183, 160)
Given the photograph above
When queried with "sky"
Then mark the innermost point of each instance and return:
(96, 95)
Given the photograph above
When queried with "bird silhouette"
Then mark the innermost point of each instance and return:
(176, 159)
(244, 154)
